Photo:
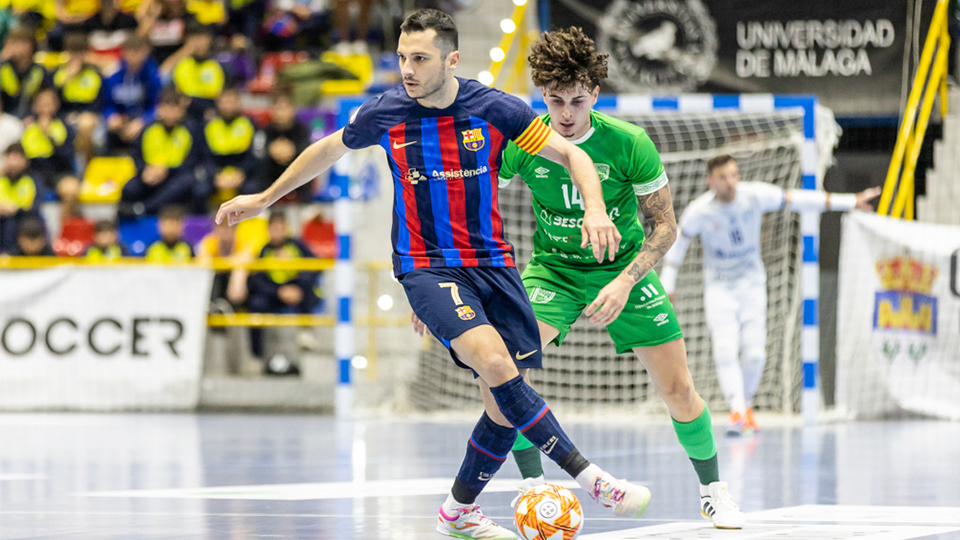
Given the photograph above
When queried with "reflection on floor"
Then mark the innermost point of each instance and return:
(141, 476)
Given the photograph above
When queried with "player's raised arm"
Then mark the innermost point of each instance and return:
(317, 158)
(597, 228)
(801, 200)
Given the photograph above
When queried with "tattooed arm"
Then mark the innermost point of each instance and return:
(656, 207)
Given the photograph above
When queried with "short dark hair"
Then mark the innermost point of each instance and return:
(15, 148)
(562, 59)
(136, 42)
(75, 43)
(197, 28)
(171, 212)
(447, 40)
(23, 33)
(31, 227)
(170, 96)
(105, 225)
(718, 161)
(277, 216)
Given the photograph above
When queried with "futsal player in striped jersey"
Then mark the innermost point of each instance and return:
(444, 137)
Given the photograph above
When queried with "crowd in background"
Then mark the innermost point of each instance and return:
(162, 83)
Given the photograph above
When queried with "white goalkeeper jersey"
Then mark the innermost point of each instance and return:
(730, 232)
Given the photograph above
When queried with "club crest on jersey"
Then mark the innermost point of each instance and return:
(473, 139)
(603, 171)
(466, 313)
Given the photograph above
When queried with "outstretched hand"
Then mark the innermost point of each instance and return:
(865, 196)
(418, 325)
(240, 208)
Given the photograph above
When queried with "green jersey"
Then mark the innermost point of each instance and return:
(628, 165)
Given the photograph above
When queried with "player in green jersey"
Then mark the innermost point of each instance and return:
(564, 279)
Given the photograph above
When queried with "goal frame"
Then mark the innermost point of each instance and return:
(344, 335)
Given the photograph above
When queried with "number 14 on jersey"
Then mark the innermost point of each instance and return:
(571, 198)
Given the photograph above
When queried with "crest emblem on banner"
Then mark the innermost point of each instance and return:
(473, 139)
(905, 313)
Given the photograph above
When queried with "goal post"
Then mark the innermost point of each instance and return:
(774, 138)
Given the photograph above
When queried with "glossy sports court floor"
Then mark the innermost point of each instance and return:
(179, 476)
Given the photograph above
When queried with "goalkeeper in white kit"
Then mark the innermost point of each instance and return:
(727, 218)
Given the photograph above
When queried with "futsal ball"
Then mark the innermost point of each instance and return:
(548, 512)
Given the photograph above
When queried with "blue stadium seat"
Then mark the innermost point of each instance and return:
(139, 234)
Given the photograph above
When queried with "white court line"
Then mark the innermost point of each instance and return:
(319, 491)
(908, 515)
(5, 477)
(783, 531)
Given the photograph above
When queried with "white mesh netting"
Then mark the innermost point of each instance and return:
(585, 373)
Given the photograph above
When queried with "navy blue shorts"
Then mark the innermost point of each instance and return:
(451, 301)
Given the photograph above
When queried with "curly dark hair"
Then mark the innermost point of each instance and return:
(564, 58)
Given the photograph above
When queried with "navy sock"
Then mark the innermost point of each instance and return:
(489, 445)
(524, 408)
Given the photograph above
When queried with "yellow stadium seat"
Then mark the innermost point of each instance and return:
(105, 178)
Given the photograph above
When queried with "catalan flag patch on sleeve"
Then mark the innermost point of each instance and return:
(534, 138)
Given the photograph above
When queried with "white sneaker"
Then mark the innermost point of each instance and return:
(717, 506)
(626, 499)
(469, 522)
(526, 485)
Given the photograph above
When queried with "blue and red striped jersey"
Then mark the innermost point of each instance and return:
(444, 164)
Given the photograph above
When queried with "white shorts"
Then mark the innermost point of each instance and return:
(736, 312)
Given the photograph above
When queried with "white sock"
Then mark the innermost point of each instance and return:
(588, 476)
(730, 377)
(753, 362)
(451, 505)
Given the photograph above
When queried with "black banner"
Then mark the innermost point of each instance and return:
(848, 53)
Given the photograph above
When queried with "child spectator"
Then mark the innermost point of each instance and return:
(165, 23)
(130, 94)
(194, 72)
(32, 239)
(283, 291)
(223, 242)
(48, 143)
(282, 141)
(20, 195)
(166, 157)
(229, 143)
(170, 247)
(107, 246)
(81, 93)
(20, 77)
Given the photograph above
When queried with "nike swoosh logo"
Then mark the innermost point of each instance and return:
(399, 146)
(550, 448)
(522, 356)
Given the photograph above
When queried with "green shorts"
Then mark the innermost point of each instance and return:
(559, 294)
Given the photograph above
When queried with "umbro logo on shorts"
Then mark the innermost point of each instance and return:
(661, 319)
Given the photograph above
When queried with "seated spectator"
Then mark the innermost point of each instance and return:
(130, 95)
(110, 28)
(283, 291)
(11, 129)
(223, 243)
(165, 23)
(72, 16)
(20, 77)
(32, 239)
(229, 144)
(20, 195)
(170, 247)
(282, 141)
(107, 246)
(48, 143)
(166, 157)
(194, 72)
(81, 94)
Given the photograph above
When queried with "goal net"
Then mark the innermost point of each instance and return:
(585, 372)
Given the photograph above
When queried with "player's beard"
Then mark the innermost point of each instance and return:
(432, 87)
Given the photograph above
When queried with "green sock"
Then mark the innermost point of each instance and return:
(527, 457)
(696, 437)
